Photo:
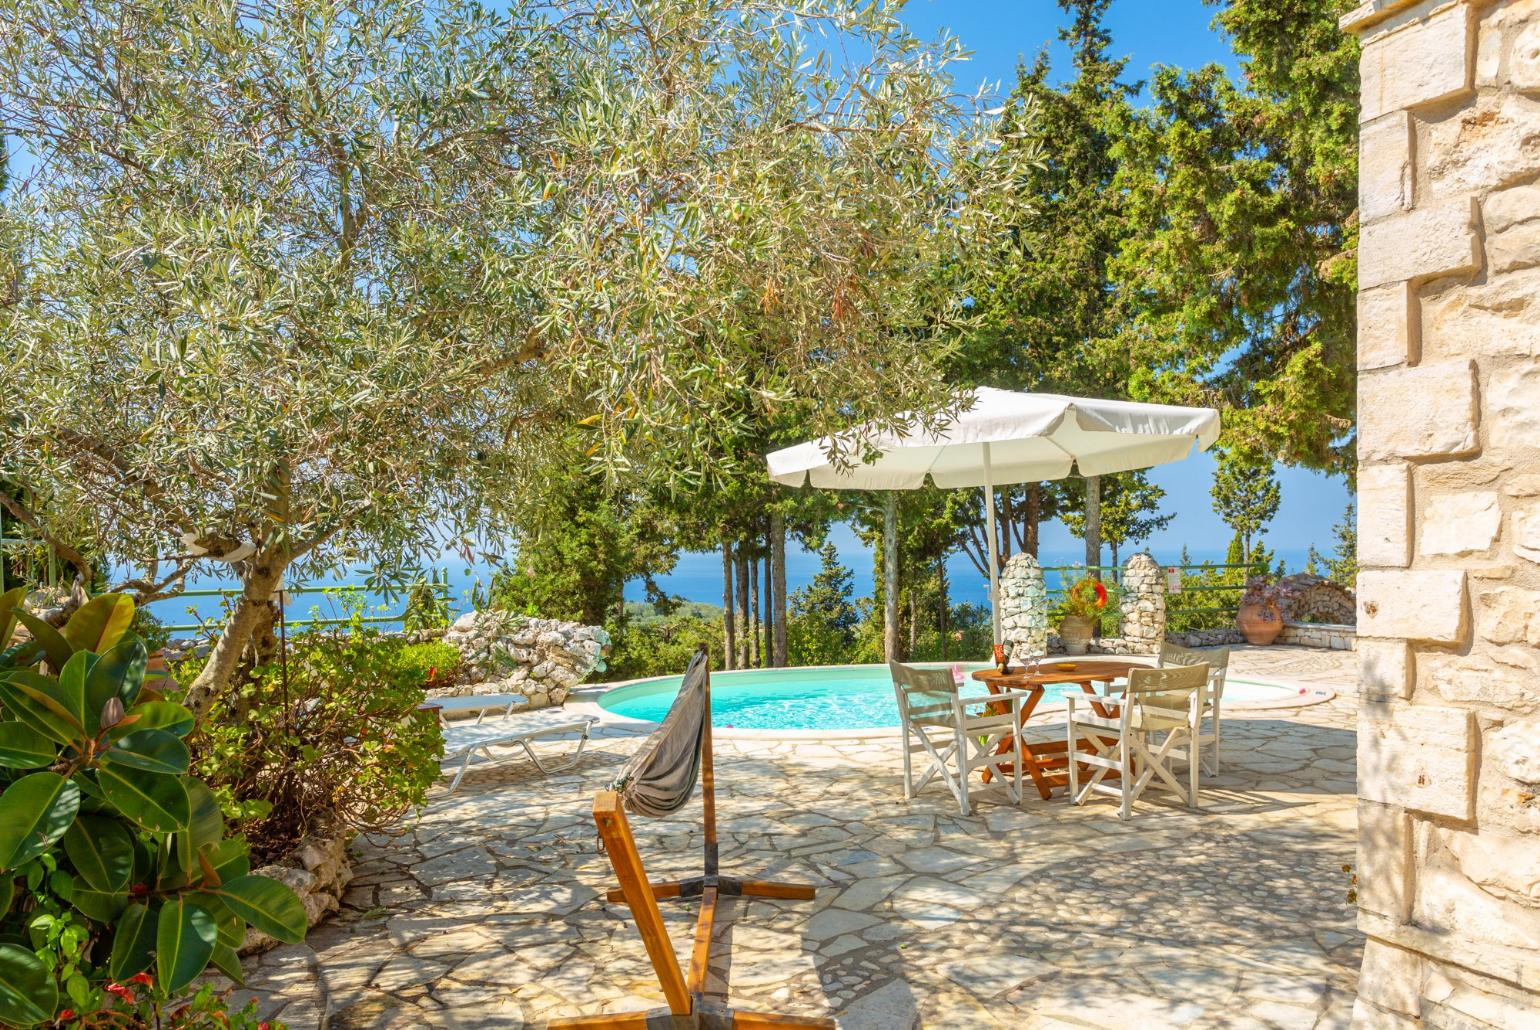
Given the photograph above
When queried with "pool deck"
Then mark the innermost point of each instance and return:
(488, 910)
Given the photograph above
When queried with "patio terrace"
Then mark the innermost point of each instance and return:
(489, 910)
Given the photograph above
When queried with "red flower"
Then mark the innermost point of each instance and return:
(141, 978)
(121, 991)
(1101, 595)
(67, 1014)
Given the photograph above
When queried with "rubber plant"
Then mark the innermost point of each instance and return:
(114, 863)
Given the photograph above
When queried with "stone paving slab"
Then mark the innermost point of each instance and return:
(488, 911)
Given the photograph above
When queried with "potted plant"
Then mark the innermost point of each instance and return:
(1080, 611)
(1259, 618)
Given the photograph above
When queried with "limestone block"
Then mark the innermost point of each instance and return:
(1422, 605)
(1525, 526)
(1499, 863)
(1459, 523)
(1493, 143)
(1419, 757)
(1421, 244)
(1423, 412)
(1524, 59)
(1391, 978)
(1498, 317)
(1387, 330)
(1511, 218)
(1423, 63)
(1508, 615)
(1445, 900)
(1369, 1016)
(1384, 669)
(1384, 515)
(1384, 860)
(1516, 750)
(1513, 408)
(1506, 678)
(1385, 166)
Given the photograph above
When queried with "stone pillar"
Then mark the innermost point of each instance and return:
(1144, 605)
(1449, 512)
(1023, 607)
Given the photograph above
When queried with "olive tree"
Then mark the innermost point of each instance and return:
(312, 283)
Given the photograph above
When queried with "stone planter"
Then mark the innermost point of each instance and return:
(1075, 632)
(1259, 623)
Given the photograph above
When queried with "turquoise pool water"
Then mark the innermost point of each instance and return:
(850, 697)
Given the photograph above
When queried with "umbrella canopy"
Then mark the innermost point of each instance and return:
(1006, 437)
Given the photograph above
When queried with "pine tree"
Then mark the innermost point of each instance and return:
(1246, 495)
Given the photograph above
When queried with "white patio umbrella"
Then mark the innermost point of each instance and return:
(1005, 437)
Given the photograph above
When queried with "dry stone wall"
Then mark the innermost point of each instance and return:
(1023, 607)
(543, 659)
(1449, 513)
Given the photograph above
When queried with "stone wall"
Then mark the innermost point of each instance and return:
(1337, 636)
(1449, 513)
(1023, 607)
(543, 659)
(1144, 605)
(318, 871)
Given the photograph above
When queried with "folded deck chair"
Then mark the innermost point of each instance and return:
(659, 779)
(471, 744)
(1218, 662)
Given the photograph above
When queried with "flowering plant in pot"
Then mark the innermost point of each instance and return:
(1079, 613)
(1259, 618)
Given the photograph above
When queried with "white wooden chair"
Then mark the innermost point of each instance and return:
(959, 734)
(1157, 718)
(1218, 662)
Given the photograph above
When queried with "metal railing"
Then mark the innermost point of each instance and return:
(1068, 574)
(438, 581)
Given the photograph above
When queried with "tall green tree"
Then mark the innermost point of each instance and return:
(1041, 292)
(1235, 286)
(308, 282)
(1130, 511)
(1246, 496)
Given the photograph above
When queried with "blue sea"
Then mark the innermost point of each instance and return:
(696, 577)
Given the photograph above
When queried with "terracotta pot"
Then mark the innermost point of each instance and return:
(1075, 633)
(1259, 623)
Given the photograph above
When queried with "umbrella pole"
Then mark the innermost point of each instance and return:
(994, 544)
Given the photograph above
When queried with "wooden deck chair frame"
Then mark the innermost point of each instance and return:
(1218, 662)
(1147, 706)
(687, 1007)
(971, 740)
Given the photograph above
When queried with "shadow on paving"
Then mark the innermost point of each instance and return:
(489, 910)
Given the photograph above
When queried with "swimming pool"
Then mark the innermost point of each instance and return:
(855, 697)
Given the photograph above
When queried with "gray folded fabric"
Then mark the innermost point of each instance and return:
(661, 776)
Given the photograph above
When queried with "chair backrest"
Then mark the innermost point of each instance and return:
(1217, 659)
(1170, 689)
(925, 696)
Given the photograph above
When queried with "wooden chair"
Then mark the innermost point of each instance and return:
(1163, 703)
(929, 700)
(688, 1007)
(1218, 662)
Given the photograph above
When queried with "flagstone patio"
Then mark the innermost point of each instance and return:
(488, 911)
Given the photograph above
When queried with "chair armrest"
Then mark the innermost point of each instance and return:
(1003, 696)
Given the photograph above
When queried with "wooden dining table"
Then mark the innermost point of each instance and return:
(1047, 762)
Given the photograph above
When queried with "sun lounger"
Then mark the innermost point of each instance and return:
(468, 745)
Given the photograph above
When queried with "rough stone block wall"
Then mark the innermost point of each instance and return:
(1449, 513)
(1023, 607)
(543, 659)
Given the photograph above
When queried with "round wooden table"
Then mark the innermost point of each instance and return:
(1048, 762)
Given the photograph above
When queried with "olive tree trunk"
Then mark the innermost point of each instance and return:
(252, 611)
(778, 566)
(729, 610)
(890, 575)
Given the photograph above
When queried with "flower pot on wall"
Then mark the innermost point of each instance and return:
(1075, 633)
(1259, 623)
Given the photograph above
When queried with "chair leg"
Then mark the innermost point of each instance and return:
(908, 766)
(1126, 781)
(962, 772)
(1074, 766)
(1016, 751)
(1194, 767)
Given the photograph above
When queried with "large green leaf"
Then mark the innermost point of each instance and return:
(154, 801)
(70, 691)
(32, 698)
(229, 858)
(161, 715)
(28, 993)
(102, 851)
(45, 636)
(7, 895)
(228, 961)
(118, 673)
(133, 943)
(22, 747)
(99, 623)
(102, 906)
(153, 751)
(266, 904)
(35, 812)
(9, 602)
(184, 943)
(206, 826)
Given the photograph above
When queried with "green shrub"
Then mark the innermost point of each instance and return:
(432, 664)
(427, 607)
(342, 736)
(118, 882)
(653, 643)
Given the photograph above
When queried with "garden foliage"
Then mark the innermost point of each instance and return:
(115, 863)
